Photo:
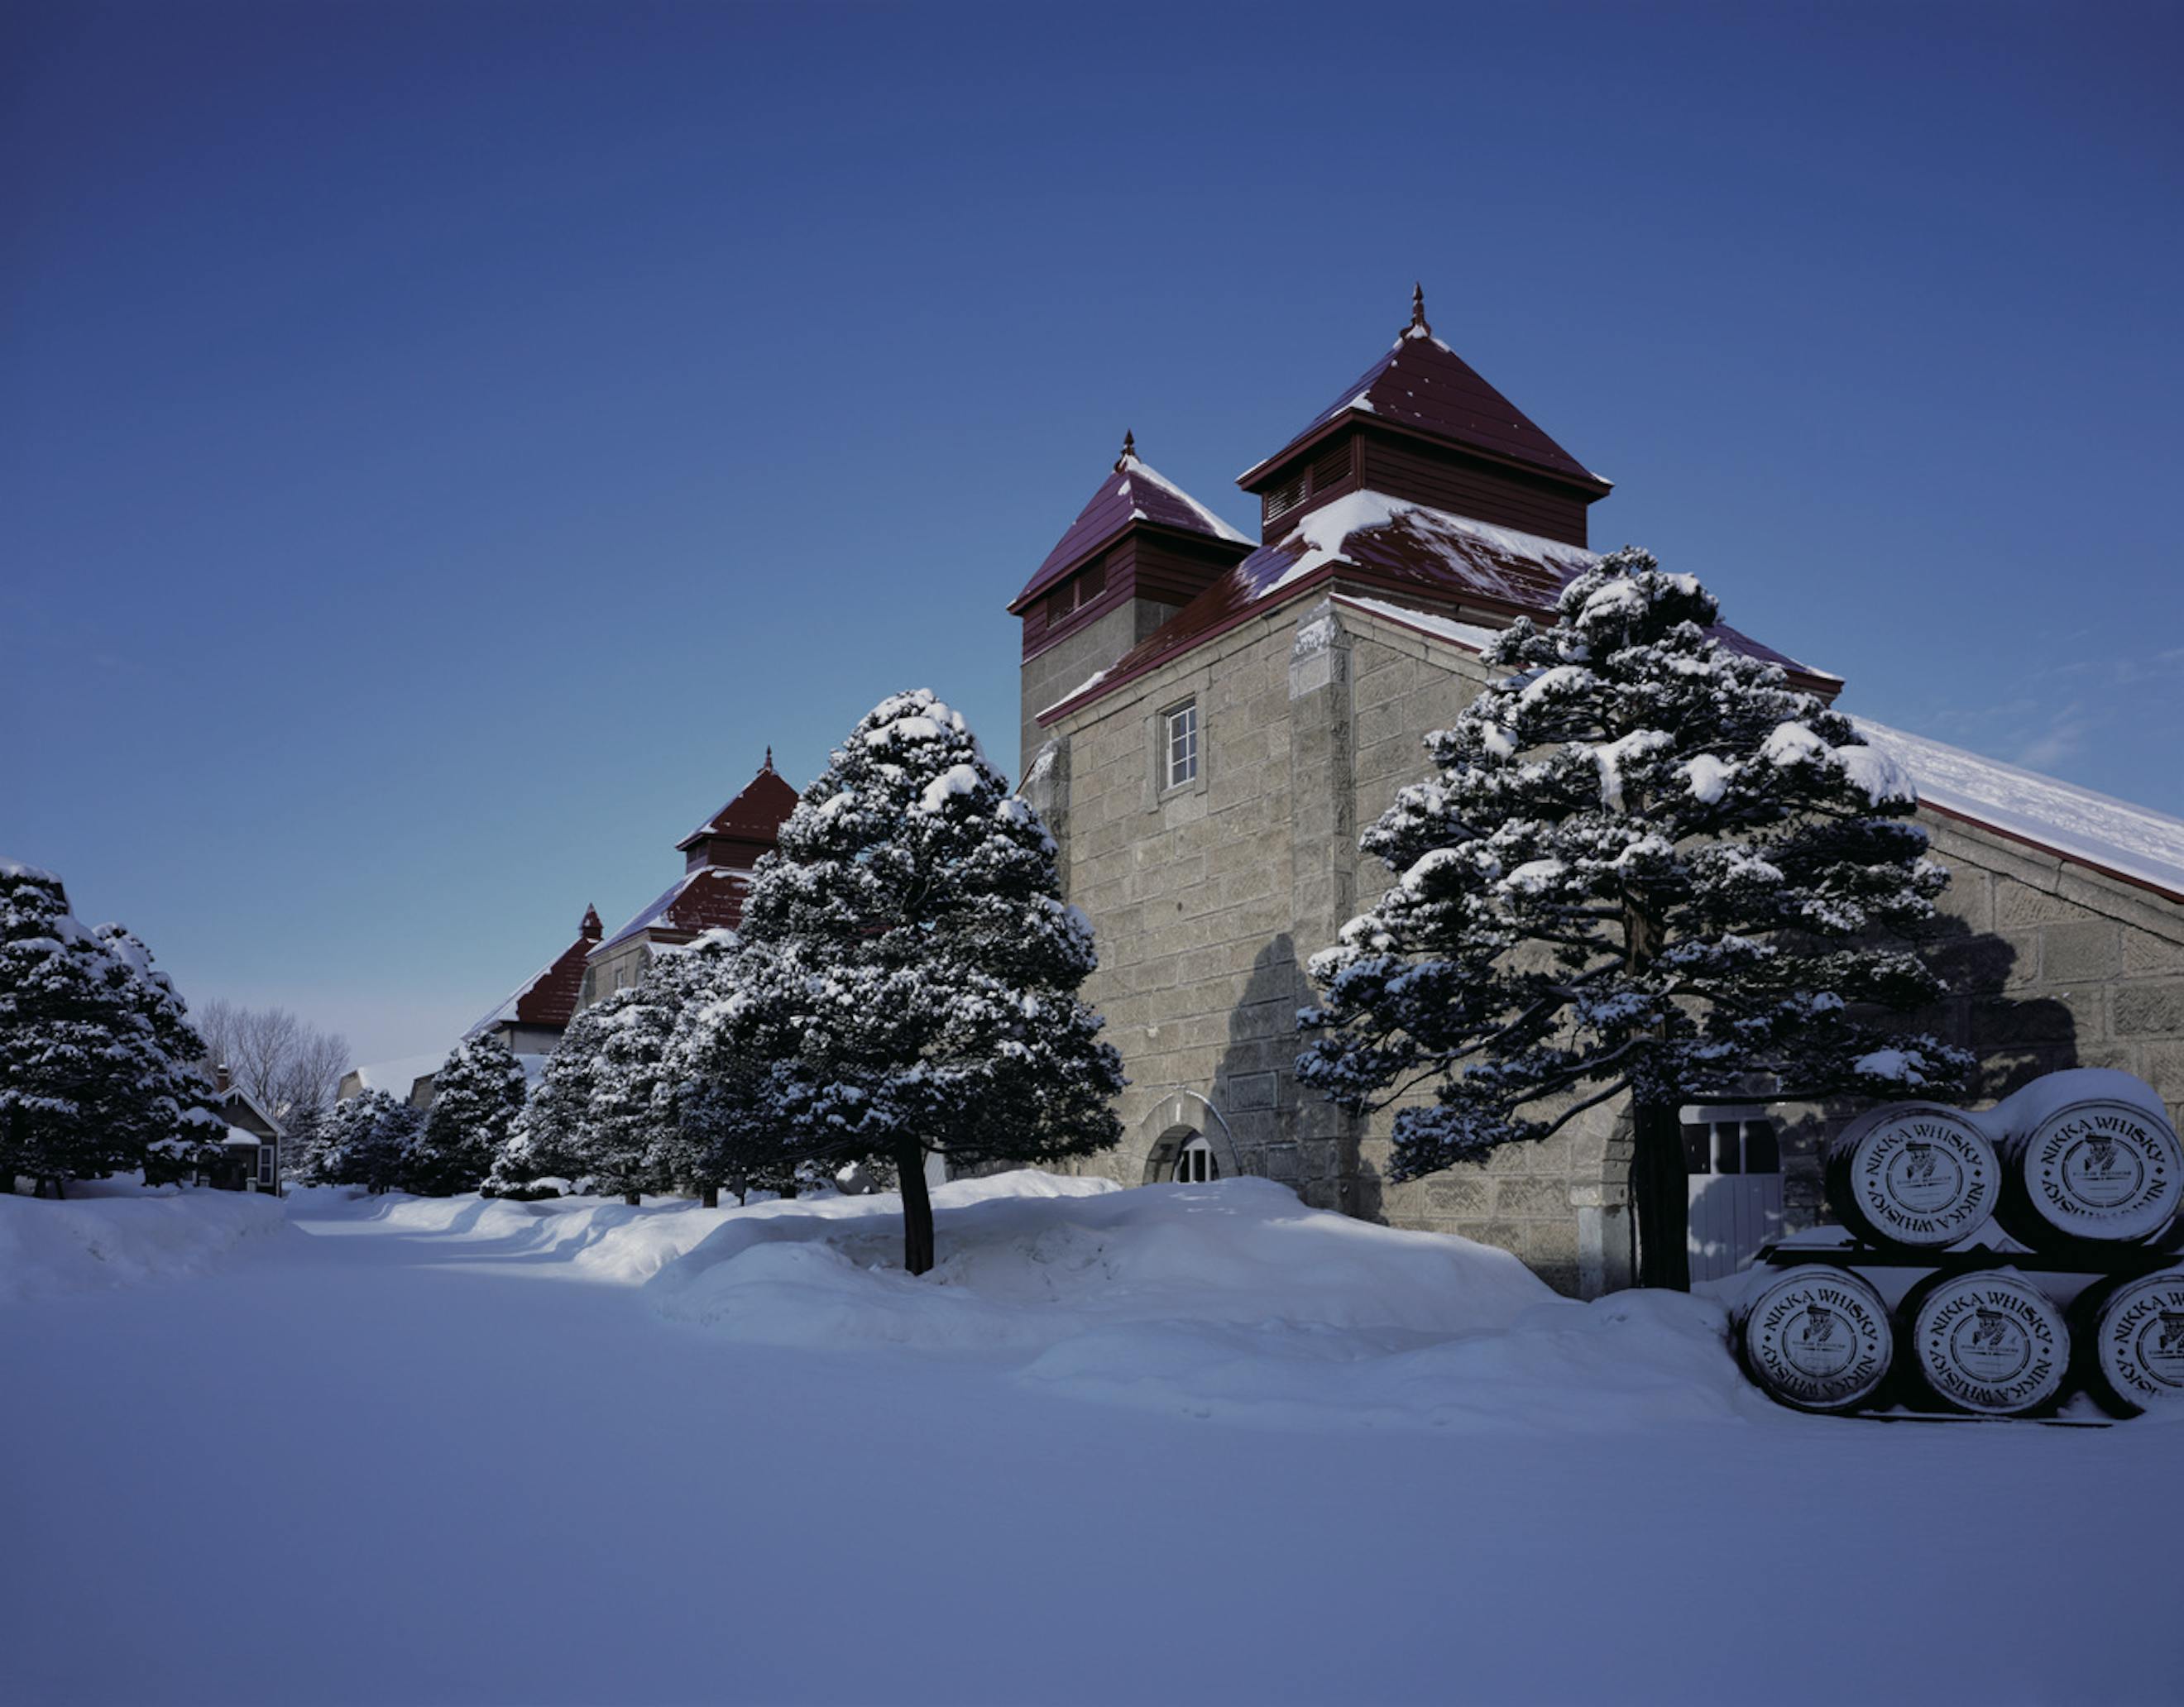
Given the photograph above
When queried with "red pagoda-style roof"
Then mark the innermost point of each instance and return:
(548, 996)
(747, 826)
(1422, 387)
(1134, 493)
(1368, 540)
(719, 855)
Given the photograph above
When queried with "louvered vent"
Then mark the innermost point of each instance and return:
(1283, 499)
(1332, 469)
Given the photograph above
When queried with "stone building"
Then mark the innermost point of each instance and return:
(1207, 725)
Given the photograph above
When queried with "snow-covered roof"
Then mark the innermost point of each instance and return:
(2135, 843)
(1394, 544)
(236, 1094)
(549, 995)
(1136, 491)
(689, 905)
(239, 1136)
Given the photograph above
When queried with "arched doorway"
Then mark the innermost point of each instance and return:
(1182, 1155)
(1155, 1152)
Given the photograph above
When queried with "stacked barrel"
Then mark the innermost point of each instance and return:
(2078, 1180)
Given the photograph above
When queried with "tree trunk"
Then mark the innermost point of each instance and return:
(1662, 1196)
(631, 1199)
(709, 1194)
(917, 1207)
(1659, 1191)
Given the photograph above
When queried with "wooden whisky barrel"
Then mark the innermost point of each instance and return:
(1815, 1337)
(1989, 1342)
(2089, 1159)
(2130, 1338)
(1913, 1175)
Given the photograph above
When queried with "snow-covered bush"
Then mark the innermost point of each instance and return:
(906, 979)
(1647, 866)
(97, 1070)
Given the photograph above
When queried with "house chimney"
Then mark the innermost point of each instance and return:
(220, 1079)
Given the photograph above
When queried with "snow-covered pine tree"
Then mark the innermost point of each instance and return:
(693, 1142)
(85, 1082)
(908, 975)
(545, 1140)
(372, 1134)
(306, 1136)
(631, 1111)
(1647, 866)
(476, 1095)
(171, 1109)
(732, 1065)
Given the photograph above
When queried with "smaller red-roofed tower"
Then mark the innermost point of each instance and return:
(1421, 426)
(717, 859)
(1139, 550)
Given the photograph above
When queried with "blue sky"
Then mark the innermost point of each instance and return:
(444, 445)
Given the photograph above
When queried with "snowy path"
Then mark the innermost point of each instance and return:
(448, 1472)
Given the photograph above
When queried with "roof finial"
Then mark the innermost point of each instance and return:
(1129, 449)
(1419, 329)
(769, 758)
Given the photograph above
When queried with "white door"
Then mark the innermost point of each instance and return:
(1733, 1159)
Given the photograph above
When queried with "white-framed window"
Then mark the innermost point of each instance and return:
(1195, 1162)
(1180, 745)
(1721, 1142)
(265, 1164)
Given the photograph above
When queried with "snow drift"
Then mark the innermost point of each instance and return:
(599, 1239)
(1230, 1298)
(117, 1236)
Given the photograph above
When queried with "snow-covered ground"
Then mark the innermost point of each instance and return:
(105, 1235)
(1180, 1444)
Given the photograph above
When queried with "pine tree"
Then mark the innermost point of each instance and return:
(907, 978)
(547, 1136)
(87, 1081)
(630, 1118)
(307, 1135)
(695, 1137)
(1648, 866)
(476, 1096)
(733, 1072)
(373, 1134)
(170, 1120)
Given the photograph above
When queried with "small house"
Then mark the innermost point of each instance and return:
(247, 1156)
